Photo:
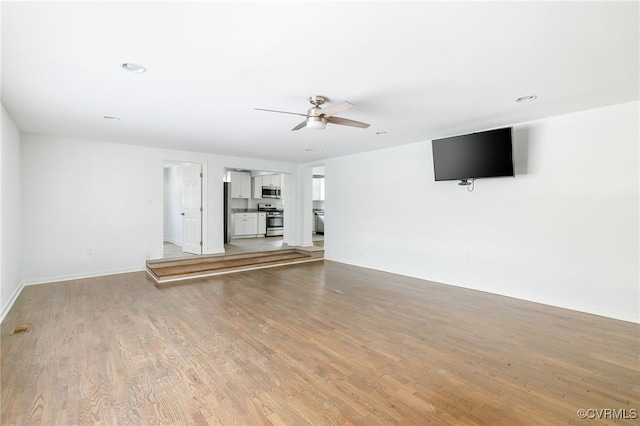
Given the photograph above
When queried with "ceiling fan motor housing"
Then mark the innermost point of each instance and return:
(314, 112)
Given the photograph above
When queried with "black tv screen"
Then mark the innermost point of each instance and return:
(476, 155)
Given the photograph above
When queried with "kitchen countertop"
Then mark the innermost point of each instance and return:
(254, 211)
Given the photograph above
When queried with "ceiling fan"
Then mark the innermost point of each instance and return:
(317, 118)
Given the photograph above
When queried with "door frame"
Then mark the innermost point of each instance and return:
(203, 200)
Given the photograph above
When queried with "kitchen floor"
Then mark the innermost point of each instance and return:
(242, 245)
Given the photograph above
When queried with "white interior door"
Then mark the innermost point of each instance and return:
(192, 208)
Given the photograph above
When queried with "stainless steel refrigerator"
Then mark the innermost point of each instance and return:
(228, 217)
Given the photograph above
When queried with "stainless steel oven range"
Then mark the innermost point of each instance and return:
(275, 219)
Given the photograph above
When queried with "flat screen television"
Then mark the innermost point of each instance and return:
(477, 155)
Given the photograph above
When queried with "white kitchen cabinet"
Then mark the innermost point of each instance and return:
(245, 224)
(271, 180)
(318, 189)
(262, 223)
(240, 184)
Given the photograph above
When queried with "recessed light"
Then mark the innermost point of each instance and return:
(133, 67)
(110, 117)
(527, 98)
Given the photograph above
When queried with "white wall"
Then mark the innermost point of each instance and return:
(93, 208)
(89, 208)
(10, 214)
(563, 232)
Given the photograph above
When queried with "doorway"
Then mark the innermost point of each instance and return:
(182, 209)
(318, 190)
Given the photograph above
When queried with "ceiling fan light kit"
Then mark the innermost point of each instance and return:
(317, 118)
(316, 123)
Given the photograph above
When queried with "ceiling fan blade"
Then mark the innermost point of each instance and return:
(281, 112)
(347, 122)
(300, 126)
(335, 109)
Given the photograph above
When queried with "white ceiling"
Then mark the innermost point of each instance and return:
(414, 70)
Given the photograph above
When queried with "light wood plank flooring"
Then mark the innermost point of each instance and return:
(321, 343)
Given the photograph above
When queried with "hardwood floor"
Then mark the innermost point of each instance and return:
(316, 343)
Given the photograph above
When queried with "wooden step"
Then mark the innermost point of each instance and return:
(163, 271)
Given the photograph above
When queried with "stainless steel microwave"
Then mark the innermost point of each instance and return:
(270, 192)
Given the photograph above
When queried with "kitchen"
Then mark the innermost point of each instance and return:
(253, 207)
(260, 224)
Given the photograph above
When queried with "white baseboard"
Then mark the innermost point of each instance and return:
(13, 299)
(59, 278)
(173, 241)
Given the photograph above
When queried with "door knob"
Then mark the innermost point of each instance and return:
(182, 214)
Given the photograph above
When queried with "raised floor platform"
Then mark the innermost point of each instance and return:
(164, 271)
